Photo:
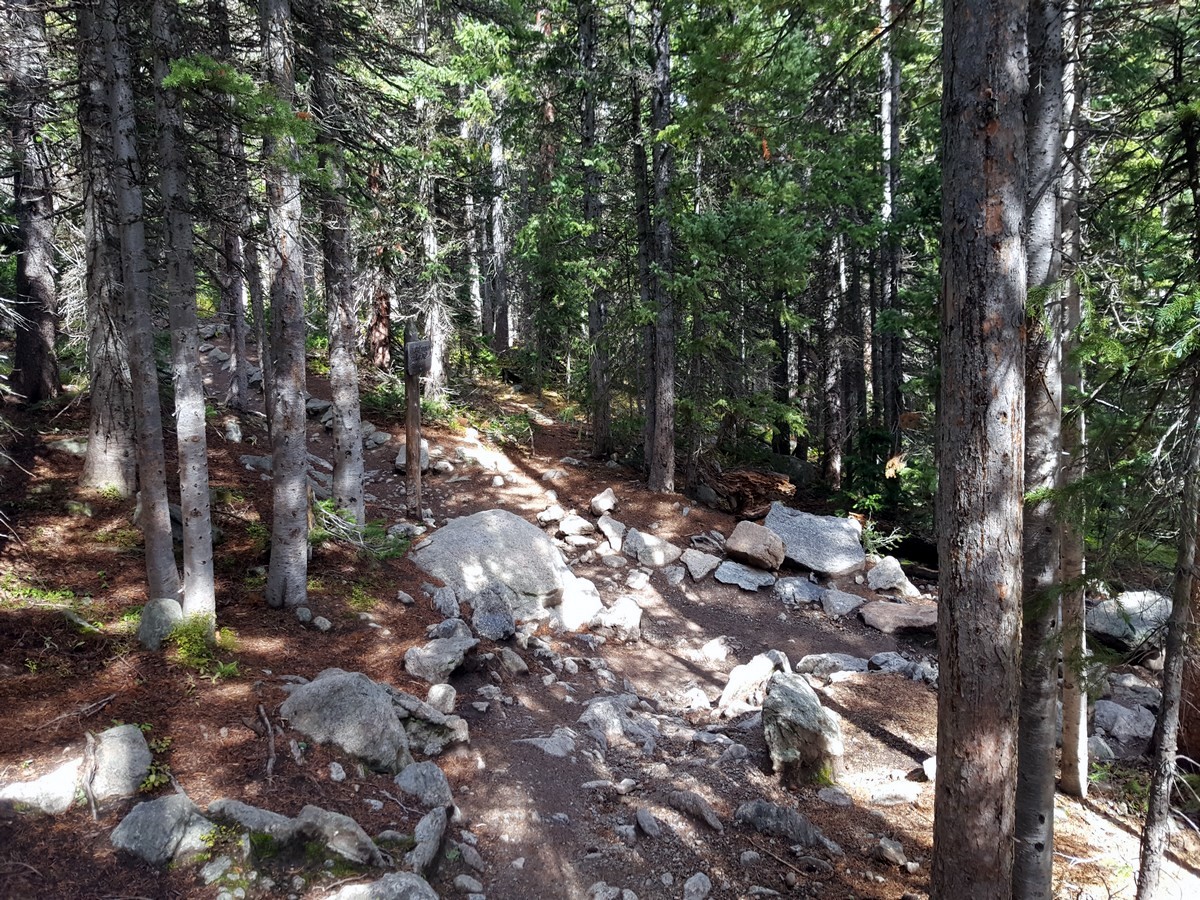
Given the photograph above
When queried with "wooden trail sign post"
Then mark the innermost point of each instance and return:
(418, 355)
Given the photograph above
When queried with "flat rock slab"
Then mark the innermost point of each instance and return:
(900, 618)
(394, 886)
(794, 591)
(649, 550)
(827, 544)
(769, 818)
(699, 563)
(839, 603)
(746, 578)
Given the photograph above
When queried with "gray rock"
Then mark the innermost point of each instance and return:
(340, 834)
(822, 543)
(696, 806)
(900, 618)
(825, 664)
(618, 719)
(698, 887)
(315, 406)
(322, 624)
(896, 793)
(890, 851)
(1121, 724)
(402, 457)
(442, 697)
(551, 514)
(53, 793)
(792, 592)
(352, 712)
(768, 818)
(443, 467)
(580, 604)
(336, 772)
(428, 835)
(649, 550)
(393, 886)
(303, 615)
(756, 546)
(637, 579)
(216, 869)
(888, 575)
(426, 782)
(699, 563)
(512, 662)
(747, 683)
(560, 744)
(743, 576)
(446, 602)
(122, 763)
(158, 619)
(839, 603)
(1132, 690)
(253, 819)
(161, 830)
(218, 355)
(73, 446)
(624, 617)
(1099, 750)
(835, 796)
(613, 531)
(465, 884)
(1131, 618)
(575, 525)
(492, 613)
(603, 503)
(674, 575)
(802, 736)
(497, 547)
(436, 660)
(647, 823)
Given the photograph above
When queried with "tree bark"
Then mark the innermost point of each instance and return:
(111, 461)
(1041, 584)
(35, 368)
(199, 592)
(155, 518)
(891, 347)
(1074, 763)
(1156, 829)
(339, 292)
(287, 574)
(498, 270)
(598, 299)
(981, 420)
(662, 457)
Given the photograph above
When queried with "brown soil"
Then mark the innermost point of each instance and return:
(56, 683)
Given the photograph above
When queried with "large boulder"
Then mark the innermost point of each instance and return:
(122, 763)
(496, 547)
(157, 621)
(427, 783)
(351, 711)
(649, 550)
(53, 793)
(888, 575)
(900, 618)
(756, 546)
(822, 543)
(747, 683)
(1129, 619)
(804, 738)
(162, 830)
(446, 652)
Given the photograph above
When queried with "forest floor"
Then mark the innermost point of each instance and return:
(541, 834)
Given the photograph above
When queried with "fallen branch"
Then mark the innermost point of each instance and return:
(779, 859)
(270, 743)
(89, 773)
(396, 800)
(84, 711)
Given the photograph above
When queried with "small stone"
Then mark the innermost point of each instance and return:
(647, 822)
(698, 887)
(834, 797)
(321, 623)
(743, 576)
(749, 858)
(637, 579)
(442, 697)
(336, 772)
(498, 481)
(404, 597)
(604, 502)
(512, 662)
(891, 852)
(467, 885)
(519, 863)
(839, 603)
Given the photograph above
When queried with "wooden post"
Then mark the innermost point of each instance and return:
(418, 356)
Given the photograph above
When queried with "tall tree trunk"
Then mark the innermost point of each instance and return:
(598, 361)
(111, 461)
(1156, 829)
(662, 458)
(339, 292)
(1074, 764)
(233, 225)
(35, 367)
(891, 348)
(155, 518)
(835, 411)
(854, 383)
(199, 592)
(1041, 584)
(498, 270)
(433, 301)
(784, 388)
(981, 425)
(288, 571)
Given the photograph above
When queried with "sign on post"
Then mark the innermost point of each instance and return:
(418, 357)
